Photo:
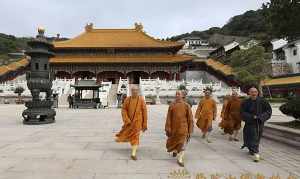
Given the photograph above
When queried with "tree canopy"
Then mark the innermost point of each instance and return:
(250, 66)
(248, 24)
(283, 18)
(9, 44)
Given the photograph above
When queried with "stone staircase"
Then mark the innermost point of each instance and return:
(63, 100)
(112, 96)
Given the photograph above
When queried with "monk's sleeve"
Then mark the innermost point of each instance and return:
(266, 111)
(215, 110)
(246, 116)
(227, 110)
(198, 111)
(125, 115)
(223, 108)
(145, 116)
(190, 120)
(168, 121)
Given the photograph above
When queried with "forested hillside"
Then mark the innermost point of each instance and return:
(250, 24)
(10, 43)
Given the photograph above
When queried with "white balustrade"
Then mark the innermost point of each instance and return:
(123, 86)
(157, 87)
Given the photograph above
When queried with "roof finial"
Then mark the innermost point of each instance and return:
(41, 31)
(138, 26)
(89, 27)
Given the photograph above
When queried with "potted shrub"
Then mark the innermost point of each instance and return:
(19, 90)
(291, 108)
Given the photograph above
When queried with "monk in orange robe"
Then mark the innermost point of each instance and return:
(225, 101)
(206, 113)
(134, 115)
(232, 117)
(178, 127)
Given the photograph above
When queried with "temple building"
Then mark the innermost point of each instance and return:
(111, 54)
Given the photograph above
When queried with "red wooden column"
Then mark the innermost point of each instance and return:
(177, 76)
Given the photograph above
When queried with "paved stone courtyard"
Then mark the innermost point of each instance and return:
(80, 145)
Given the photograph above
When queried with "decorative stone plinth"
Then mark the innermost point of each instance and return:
(39, 112)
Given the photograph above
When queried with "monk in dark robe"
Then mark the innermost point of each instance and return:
(232, 117)
(225, 101)
(255, 112)
(178, 127)
(206, 113)
(134, 115)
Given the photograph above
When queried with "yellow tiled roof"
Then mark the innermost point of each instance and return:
(121, 59)
(13, 66)
(218, 66)
(282, 81)
(112, 38)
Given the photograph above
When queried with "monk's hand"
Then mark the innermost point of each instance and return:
(127, 123)
(168, 134)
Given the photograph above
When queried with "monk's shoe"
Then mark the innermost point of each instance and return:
(181, 164)
(133, 157)
(256, 158)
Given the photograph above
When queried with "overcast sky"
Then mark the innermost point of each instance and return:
(161, 18)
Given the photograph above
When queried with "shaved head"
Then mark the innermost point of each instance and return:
(134, 90)
(179, 95)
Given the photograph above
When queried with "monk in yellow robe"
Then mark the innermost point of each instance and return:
(134, 115)
(178, 127)
(206, 113)
(232, 117)
(225, 101)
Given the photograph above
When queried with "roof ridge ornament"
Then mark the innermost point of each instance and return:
(41, 32)
(138, 26)
(89, 27)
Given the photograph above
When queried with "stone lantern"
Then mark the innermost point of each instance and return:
(39, 80)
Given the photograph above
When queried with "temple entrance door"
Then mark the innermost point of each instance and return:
(113, 80)
(62, 75)
(84, 75)
(112, 76)
(161, 75)
(134, 76)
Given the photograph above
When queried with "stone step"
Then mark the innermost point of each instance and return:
(112, 96)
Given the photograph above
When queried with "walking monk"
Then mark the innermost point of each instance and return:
(206, 113)
(232, 117)
(134, 115)
(225, 101)
(179, 126)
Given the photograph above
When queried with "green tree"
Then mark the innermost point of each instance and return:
(182, 87)
(283, 17)
(251, 66)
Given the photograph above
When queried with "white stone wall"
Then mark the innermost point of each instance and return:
(292, 58)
